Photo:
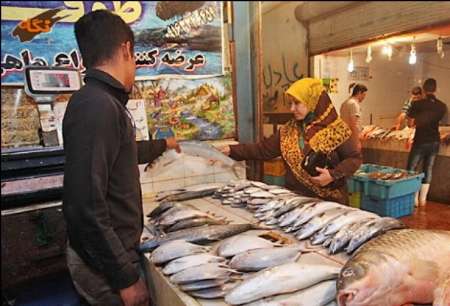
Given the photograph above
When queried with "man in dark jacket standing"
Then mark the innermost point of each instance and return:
(102, 195)
(426, 114)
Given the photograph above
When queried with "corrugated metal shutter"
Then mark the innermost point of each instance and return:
(374, 20)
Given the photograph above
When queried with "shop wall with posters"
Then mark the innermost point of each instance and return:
(181, 49)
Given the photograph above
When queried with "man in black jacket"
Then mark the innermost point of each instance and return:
(426, 114)
(102, 194)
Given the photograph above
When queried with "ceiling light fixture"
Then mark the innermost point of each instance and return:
(387, 50)
(412, 55)
(440, 47)
(369, 54)
(350, 65)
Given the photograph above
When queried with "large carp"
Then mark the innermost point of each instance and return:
(397, 268)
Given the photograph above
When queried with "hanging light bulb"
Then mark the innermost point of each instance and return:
(387, 50)
(369, 54)
(412, 55)
(440, 47)
(350, 65)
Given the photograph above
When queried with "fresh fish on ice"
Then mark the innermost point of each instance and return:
(213, 293)
(317, 295)
(315, 210)
(190, 261)
(317, 222)
(372, 229)
(280, 279)
(204, 284)
(187, 213)
(350, 216)
(343, 237)
(241, 243)
(258, 259)
(175, 249)
(201, 234)
(203, 272)
(194, 222)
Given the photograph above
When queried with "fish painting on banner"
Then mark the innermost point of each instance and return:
(173, 38)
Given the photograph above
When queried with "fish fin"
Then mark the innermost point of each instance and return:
(426, 270)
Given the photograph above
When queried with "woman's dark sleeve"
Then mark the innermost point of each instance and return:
(267, 149)
(150, 150)
(350, 159)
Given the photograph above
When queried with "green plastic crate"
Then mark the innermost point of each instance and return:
(383, 189)
(274, 180)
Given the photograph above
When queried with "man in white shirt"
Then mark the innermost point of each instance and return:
(350, 110)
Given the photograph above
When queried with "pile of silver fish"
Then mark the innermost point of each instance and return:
(334, 226)
(251, 253)
(194, 269)
(287, 284)
(174, 216)
(401, 267)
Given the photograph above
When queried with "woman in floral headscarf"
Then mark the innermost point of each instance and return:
(316, 128)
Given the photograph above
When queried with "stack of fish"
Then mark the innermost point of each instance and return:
(334, 226)
(173, 216)
(377, 132)
(251, 253)
(287, 284)
(249, 194)
(194, 269)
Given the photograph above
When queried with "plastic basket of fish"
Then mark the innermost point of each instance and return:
(396, 207)
(382, 182)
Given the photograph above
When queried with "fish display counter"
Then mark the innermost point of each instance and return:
(246, 242)
(164, 292)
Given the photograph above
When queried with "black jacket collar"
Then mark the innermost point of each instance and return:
(111, 84)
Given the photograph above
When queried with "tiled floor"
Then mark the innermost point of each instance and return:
(432, 216)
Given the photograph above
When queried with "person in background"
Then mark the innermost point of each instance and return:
(350, 110)
(426, 114)
(416, 94)
(316, 127)
(102, 201)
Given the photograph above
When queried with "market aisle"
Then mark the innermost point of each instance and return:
(433, 216)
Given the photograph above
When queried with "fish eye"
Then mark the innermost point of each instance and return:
(348, 272)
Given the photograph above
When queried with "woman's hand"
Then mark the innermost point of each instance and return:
(171, 143)
(225, 150)
(324, 178)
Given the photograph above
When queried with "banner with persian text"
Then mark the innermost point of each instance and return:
(176, 38)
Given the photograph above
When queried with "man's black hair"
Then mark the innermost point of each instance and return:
(429, 85)
(99, 34)
(358, 88)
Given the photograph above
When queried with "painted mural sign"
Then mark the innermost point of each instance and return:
(171, 37)
(199, 109)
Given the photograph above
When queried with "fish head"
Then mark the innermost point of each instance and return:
(357, 284)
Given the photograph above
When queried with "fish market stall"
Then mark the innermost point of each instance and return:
(250, 243)
(165, 293)
(391, 148)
